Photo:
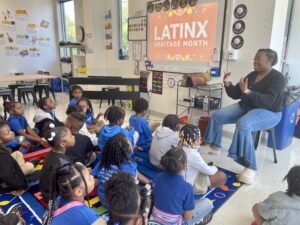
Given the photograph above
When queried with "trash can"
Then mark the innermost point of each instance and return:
(56, 83)
(284, 130)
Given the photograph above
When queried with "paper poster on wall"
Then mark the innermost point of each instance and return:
(22, 39)
(21, 14)
(44, 41)
(137, 28)
(9, 38)
(34, 39)
(144, 75)
(44, 24)
(157, 82)
(11, 51)
(32, 29)
(108, 30)
(34, 52)
(2, 39)
(24, 53)
(8, 22)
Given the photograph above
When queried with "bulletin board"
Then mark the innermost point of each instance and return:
(137, 28)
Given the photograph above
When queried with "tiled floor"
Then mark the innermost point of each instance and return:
(237, 210)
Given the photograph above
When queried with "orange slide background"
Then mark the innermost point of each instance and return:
(198, 13)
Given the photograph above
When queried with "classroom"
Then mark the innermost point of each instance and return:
(158, 112)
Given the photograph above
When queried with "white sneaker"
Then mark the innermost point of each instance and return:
(247, 176)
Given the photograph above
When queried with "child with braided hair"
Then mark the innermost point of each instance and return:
(129, 203)
(115, 158)
(198, 173)
(70, 184)
(60, 138)
(115, 115)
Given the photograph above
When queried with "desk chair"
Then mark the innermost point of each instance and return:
(111, 89)
(44, 85)
(13, 87)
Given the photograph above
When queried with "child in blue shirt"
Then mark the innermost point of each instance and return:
(115, 115)
(115, 159)
(71, 182)
(76, 93)
(93, 124)
(141, 125)
(19, 124)
(173, 196)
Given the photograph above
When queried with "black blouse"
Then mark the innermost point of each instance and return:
(267, 93)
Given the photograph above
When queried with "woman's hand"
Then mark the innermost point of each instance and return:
(243, 84)
(225, 79)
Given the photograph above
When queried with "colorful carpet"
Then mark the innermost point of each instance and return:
(217, 195)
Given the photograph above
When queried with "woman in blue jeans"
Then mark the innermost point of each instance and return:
(259, 108)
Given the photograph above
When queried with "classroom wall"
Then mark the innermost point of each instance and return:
(37, 11)
(260, 33)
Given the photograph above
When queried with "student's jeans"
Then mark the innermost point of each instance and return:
(202, 208)
(247, 121)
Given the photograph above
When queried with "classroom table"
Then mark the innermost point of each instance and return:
(25, 77)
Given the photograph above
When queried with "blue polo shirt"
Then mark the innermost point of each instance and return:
(73, 101)
(107, 132)
(172, 194)
(17, 123)
(141, 125)
(89, 119)
(78, 215)
(103, 175)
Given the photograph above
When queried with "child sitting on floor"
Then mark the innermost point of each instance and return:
(165, 138)
(115, 115)
(45, 114)
(70, 184)
(93, 124)
(281, 207)
(84, 131)
(19, 124)
(141, 125)
(173, 196)
(83, 150)
(129, 205)
(7, 136)
(60, 138)
(115, 159)
(12, 179)
(198, 173)
(76, 93)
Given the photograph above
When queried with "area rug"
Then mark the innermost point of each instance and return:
(218, 196)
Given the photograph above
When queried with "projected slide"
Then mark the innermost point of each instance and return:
(183, 37)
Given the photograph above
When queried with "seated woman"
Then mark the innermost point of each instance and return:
(259, 108)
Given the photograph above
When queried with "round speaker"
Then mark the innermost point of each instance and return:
(240, 11)
(237, 42)
(238, 27)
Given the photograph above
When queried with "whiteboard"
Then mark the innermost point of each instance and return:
(137, 28)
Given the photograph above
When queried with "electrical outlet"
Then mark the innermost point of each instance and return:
(230, 55)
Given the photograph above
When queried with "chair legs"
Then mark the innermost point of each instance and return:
(274, 144)
(256, 136)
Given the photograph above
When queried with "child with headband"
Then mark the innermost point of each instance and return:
(60, 138)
